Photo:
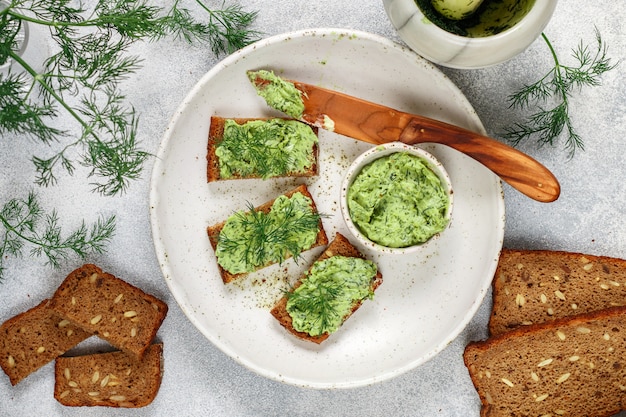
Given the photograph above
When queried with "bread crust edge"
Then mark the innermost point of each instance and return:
(73, 279)
(340, 246)
(496, 325)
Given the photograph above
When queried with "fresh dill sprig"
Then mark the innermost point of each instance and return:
(329, 291)
(319, 303)
(23, 222)
(286, 235)
(227, 29)
(82, 79)
(259, 148)
(548, 123)
(20, 115)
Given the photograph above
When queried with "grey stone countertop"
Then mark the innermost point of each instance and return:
(199, 379)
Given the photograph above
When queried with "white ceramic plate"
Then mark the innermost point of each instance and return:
(425, 300)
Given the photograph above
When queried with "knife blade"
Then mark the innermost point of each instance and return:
(377, 124)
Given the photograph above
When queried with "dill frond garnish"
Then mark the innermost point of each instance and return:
(24, 223)
(329, 292)
(548, 123)
(82, 77)
(319, 303)
(252, 239)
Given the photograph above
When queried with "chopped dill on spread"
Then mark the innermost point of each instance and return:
(329, 292)
(317, 304)
(266, 148)
(253, 239)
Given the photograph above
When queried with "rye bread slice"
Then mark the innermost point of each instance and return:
(340, 246)
(109, 307)
(113, 379)
(216, 134)
(33, 338)
(573, 366)
(214, 231)
(535, 286)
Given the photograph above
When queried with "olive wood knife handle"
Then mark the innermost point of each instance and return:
(514, 167)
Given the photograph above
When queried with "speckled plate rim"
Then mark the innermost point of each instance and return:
(439, 291)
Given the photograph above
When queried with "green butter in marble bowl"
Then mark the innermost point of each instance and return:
(479, 34)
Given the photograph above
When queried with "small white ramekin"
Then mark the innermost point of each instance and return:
(379, 152)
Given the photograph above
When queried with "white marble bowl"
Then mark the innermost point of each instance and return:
(456, 51)
(378, 152)
(21, 39)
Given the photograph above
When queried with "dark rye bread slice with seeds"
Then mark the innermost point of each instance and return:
(573, 366)
(216, 134)
(340, 246)
(33, 338)
(534, 286)
(214, 232)
(112, 379)
(109, 307)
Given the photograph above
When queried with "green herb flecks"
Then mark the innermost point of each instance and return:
(253, 239)
(83, 75)
(24, 223)
(548, 123)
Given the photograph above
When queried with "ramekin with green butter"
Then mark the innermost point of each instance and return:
(396, 197)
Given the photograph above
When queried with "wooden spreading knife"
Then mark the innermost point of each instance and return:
(377, 124)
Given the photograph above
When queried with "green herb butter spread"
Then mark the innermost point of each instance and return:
(456, 9)
(278, 93)
(329, 292)
(397, 201)
(267, 148)
(251, 239)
